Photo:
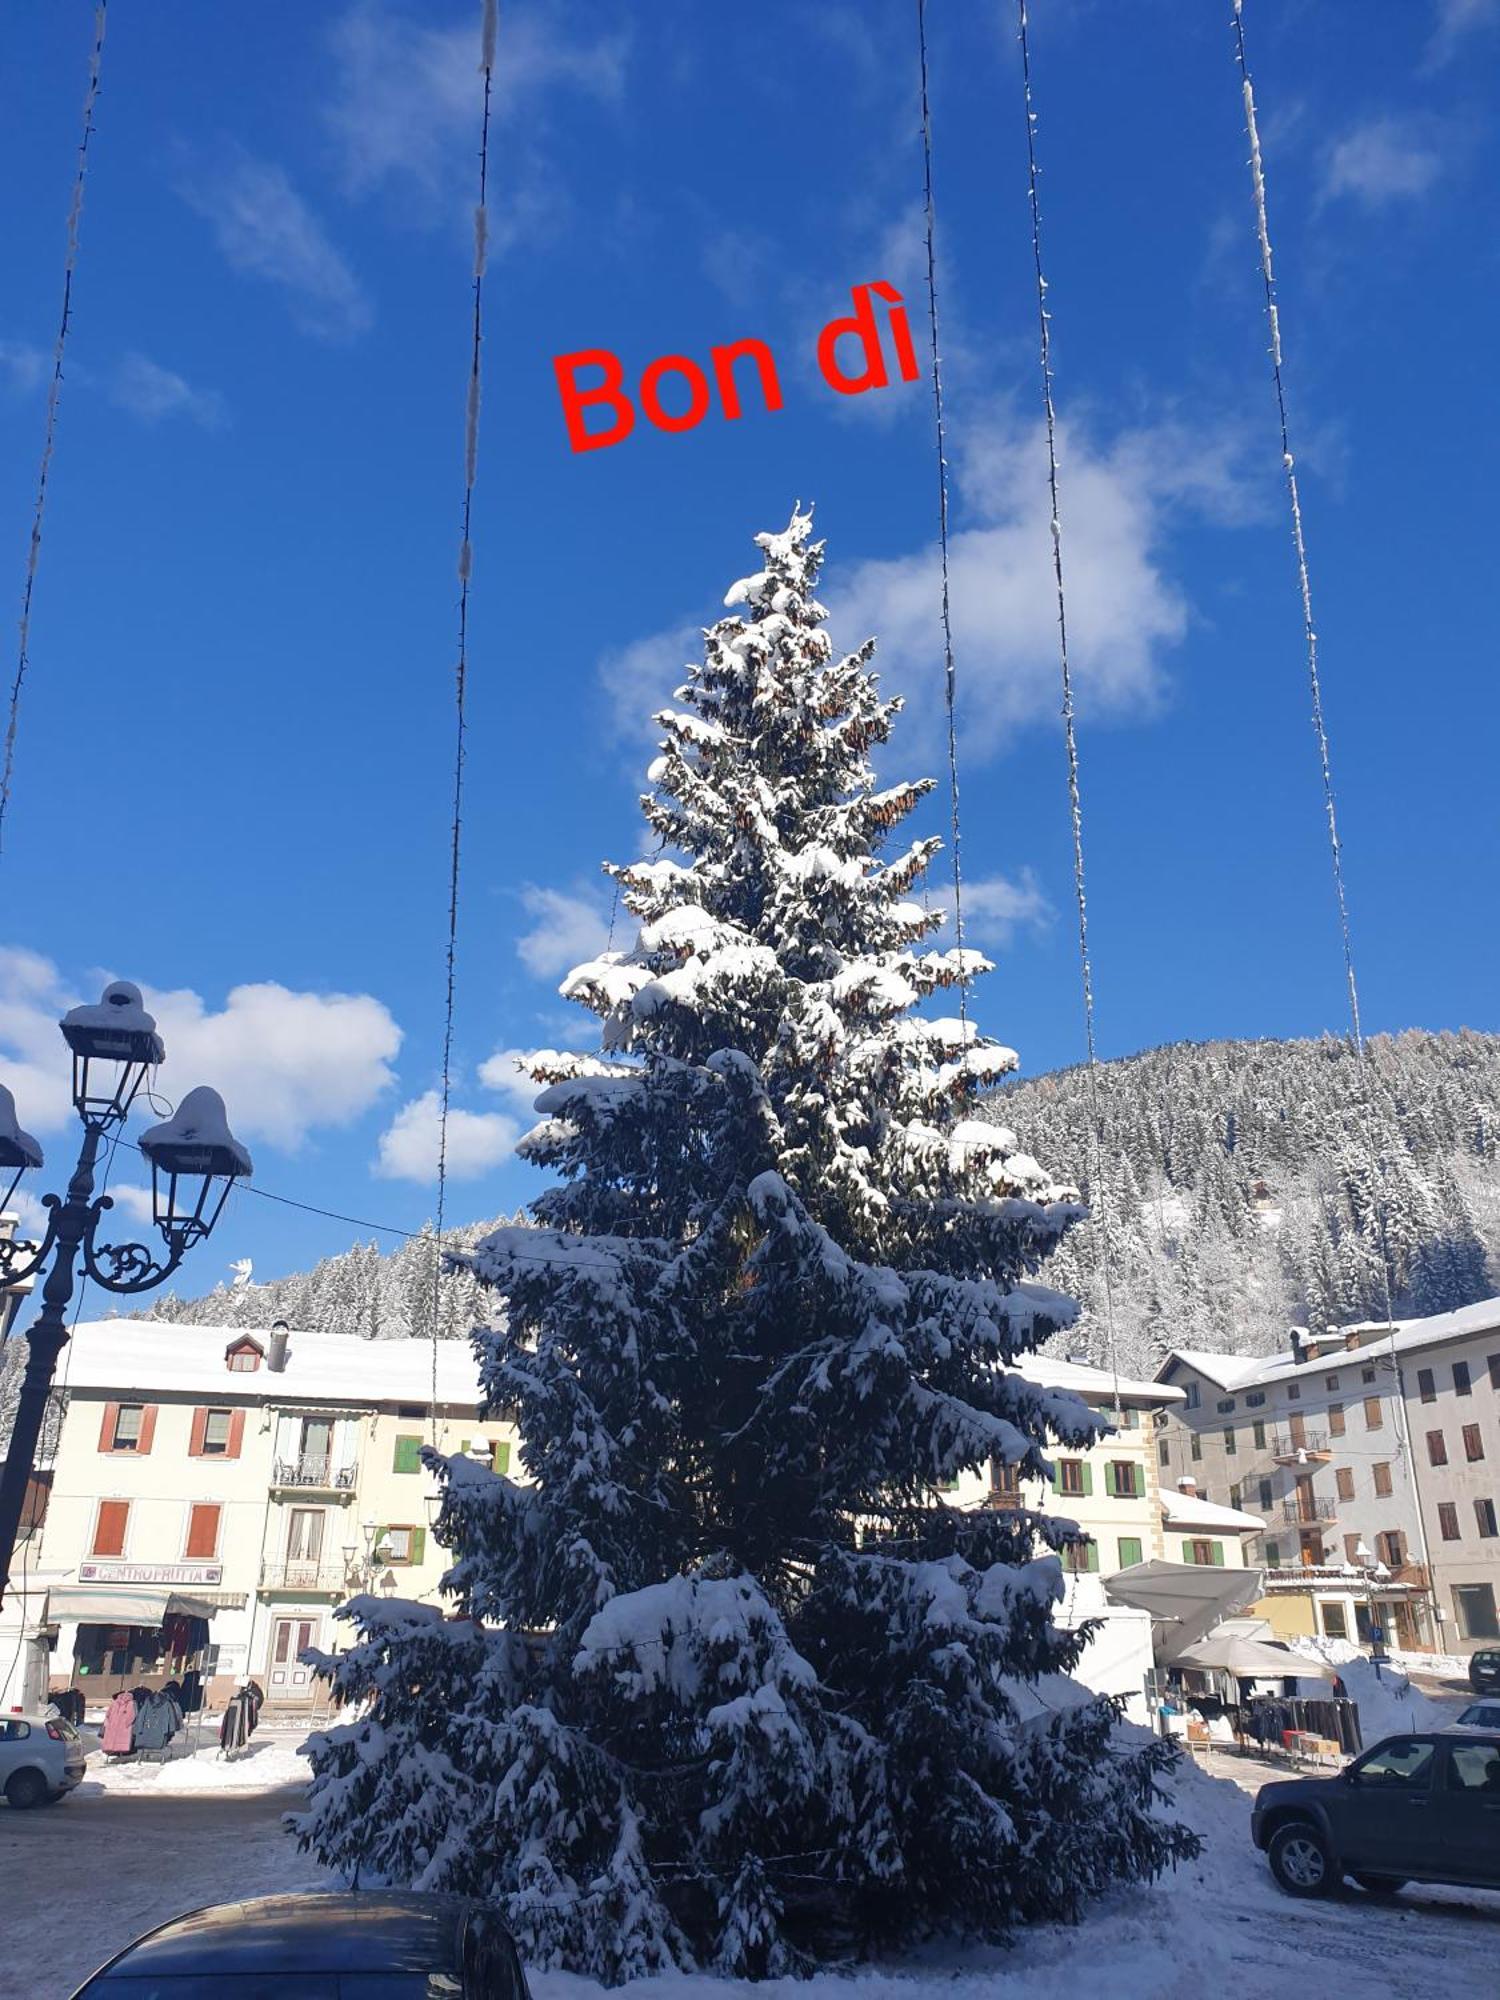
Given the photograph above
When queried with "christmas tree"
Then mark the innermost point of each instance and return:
(731, 1683)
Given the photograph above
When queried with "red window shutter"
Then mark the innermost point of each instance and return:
(203, 1531)
(195, 1442)
(107, 1427)
(109, 1528)
(148, 1429)
(236, 1433)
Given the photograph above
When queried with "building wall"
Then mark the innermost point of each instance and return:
(1467, 1562)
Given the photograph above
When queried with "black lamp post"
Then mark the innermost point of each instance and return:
(194, 1158)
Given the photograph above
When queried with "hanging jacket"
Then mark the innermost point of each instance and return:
(119, 1726)
(153, 1723)
(234, 1730)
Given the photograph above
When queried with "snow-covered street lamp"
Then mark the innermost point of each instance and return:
(195, 1160)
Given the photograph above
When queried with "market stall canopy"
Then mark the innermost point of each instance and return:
(1185, 1600)
(1251, 1659)
(123, 1604)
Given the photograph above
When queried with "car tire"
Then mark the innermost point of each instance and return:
(1381, 1885)
(1300, 1859)
(27, 1789)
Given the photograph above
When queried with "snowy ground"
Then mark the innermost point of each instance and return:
(140, 1843)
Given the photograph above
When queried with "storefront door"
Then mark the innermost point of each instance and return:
(289, 1679)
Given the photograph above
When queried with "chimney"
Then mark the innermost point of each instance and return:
(1298, 1354)
(277, 1347)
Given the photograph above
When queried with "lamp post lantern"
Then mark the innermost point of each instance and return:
(195, 1159)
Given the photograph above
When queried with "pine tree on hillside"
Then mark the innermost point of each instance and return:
(765, 1714)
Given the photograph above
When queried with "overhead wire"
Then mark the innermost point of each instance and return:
(49, 432)
(1098, 1191)
(489, 24)
(950, 676)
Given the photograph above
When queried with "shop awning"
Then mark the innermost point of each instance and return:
(123, 1604)
(1251, 1659)
(1185, 1600)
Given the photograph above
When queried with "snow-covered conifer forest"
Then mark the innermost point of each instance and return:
(732, 1684)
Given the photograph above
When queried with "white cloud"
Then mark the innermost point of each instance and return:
(1455, 21)
(642, 676)
(996, 907)
(405, 114)
(23, 367)
(569, 929)
(146, 390)
(131, 1201)
(1386, 159)
(266, 230)
(477, 1141)
(286, 1063)
(502, 1073)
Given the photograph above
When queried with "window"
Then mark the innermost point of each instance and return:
(1383, 1479)
(1258, 1433)
(402, 1544)
(1203, 1552)
(1071, 1477)
(1426, 1387)
(1265, 1493)
(109, 1528)
(1335, 1625)
(1475, 1767)
(1256, 1400)
(1461, 1384)
(1294, 1393)
(1407, 1761)
(304, 1536)
(1164, 1453)
(216, 1425)
(243, 1358)
(127, 1427)
(1128, 1419)
(408, 1456)
(1336, 1420)
(1494, 1368)
(1236, 1496)
(1195, 1449)
(1484, 1514)
(1081, 1557)
(1389, 1548)
(1437, 1448)
(1474, 1608)
(1225, 1407)
(1330, 1381)
(1273, 1554)
(1229, 1441)
(1121, 1481)
(1130, 1551)
(1473, 1443)
(1190, 1390)
(1343, 1480)
(1374, 1414)
(1448, 1520)
(1367, 1374)
(1351, 1543)
(203, 1533)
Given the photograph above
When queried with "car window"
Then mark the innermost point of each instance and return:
(1407, 1761)
(13, 1730)
(1474, 1767)
(221, 1986)
(1481, 1715)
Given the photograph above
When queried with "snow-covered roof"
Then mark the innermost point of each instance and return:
(1186, 1510)
(1093, 1384)
(164, 1358)
(1248, 1371)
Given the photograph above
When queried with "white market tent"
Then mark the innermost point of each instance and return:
(1186, 1600)
(1251, 1659)
(123, 1604)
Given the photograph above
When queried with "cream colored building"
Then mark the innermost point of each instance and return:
(230, 1488)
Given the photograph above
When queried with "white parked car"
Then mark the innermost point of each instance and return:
(41, 1759)
(1480, 1715)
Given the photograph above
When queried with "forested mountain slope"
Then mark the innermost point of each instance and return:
(1239, 1194)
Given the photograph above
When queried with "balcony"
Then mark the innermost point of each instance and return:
(1309, 1510)
(1346, 1579)
(1312, 1448)
(307, 1474)
(319, 1579)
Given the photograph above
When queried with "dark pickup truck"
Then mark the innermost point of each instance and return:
(1422, 1808)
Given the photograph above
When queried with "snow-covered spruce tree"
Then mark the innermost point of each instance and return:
(764, 1717)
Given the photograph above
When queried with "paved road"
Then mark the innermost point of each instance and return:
(82, 1878)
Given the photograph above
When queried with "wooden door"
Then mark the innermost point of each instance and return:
(289, 1679)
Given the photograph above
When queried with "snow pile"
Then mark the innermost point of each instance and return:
(267, 1764)
(1386, 1699)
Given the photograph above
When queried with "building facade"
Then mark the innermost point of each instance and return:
(217, 1493)
(1452, 1389)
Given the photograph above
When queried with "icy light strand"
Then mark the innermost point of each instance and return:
(488, 29)
(1325, 761)
(1098, 1194)
(49, 438)
(950, 679)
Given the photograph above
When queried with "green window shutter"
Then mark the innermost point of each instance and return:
(1093, 1556)
(1088, 1479)
(380, 1536)
(408, 1456)
(1218, 1548)
(1187, 1552)
(1130, 1550)
(502, 1456)
(418, 1544)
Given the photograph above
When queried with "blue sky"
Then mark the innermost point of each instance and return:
(233, 767)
